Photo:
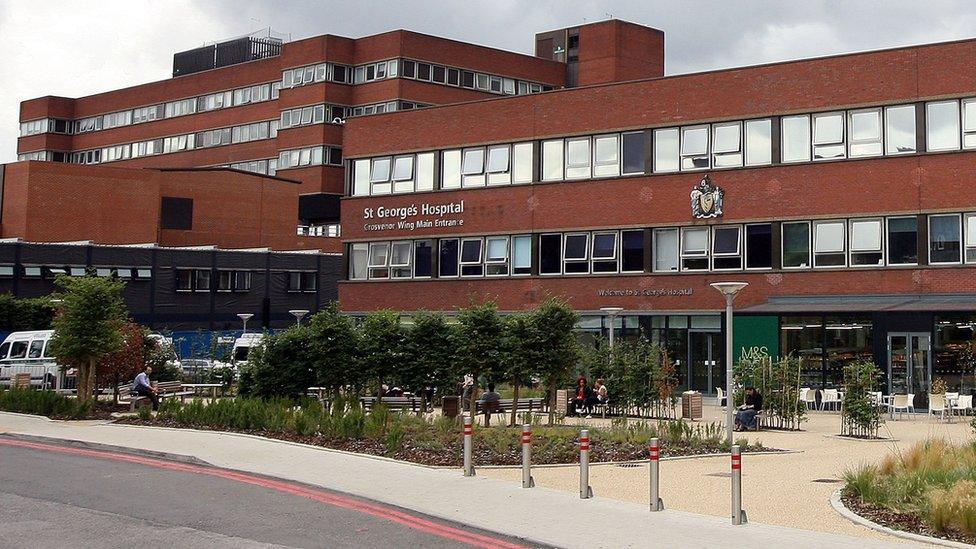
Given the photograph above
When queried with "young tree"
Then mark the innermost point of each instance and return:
(553, 327)
(520, 355)
(381, 347)
(479, 344)
(88, 326)
(335, 348)
(124, 364)
(281, 366)
(430, 358)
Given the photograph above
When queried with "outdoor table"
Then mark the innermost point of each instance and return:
(950, 405)
(212, 386)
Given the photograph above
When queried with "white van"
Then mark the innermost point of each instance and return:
(242, 348)
(27, 352)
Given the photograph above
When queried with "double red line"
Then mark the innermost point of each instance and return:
(372, 509)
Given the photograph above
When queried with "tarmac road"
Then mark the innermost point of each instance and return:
(63, 496)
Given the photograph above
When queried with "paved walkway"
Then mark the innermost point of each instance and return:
(544, 515)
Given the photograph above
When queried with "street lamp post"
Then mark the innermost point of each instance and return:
(612, 313)
(729, 290)
(298, 314)
(244, 318)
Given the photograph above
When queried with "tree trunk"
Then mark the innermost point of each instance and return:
(515, 395)
(84, 381)
(552, 401)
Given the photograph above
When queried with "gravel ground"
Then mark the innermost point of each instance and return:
(791, 489)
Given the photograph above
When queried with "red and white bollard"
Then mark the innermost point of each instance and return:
(585, 491)
(527, 480)
(657, 504)
(738, 515)
(468, 466)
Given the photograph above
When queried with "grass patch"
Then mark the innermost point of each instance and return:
(42, 403)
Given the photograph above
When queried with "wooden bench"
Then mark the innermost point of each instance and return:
(394, 404)
(504, 406)
(164, 389)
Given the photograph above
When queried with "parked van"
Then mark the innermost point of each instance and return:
(27, 352)
(242, 348)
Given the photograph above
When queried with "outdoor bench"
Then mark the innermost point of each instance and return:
(164, 389)
(504, 406)
(395, 404)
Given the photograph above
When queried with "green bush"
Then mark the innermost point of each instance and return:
(43, 403)
(778, 381)
(861, 416)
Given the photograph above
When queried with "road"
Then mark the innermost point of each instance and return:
(63, 496)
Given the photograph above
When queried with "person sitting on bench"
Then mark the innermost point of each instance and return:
(143, 387)
(745, 417)
(489, 402)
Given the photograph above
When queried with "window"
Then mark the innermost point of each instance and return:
(522, 164)
(759, 246)
(360, 185)
(379, 260)
(665, 250)
(727, 145)
(18, 349)
(552, 160)
(969, 124)
(242, 281)
(578, 158)
(358, 255)
(379, 176)
(632, 251)
(403, 174)
(606, 155)
(473, 167)
(451, 169)
(425, 172)
(902, 240)
(184, 280)
(866, 242)
(423, 258)
(944, 239)
(970, 238)
(694, 249)
(496, 255)
(302, 281)
(36, 348)
(448, 262)
(796, 245)
(522, 255)
(829, 244)
(900, 137)
(202, 280)
(726, 248)
(633, 153)
(575, 253)
(225, 281)
(828, 136)
(796, 138)
(865, 137)
(471, 257)
(942, 126)
(550, 250)
(498, 167)
(409, 68)
(694, 148)
(666, 150)
(400, 256)
(604, 252)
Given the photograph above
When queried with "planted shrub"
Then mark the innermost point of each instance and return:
(778, 381)
(861, 416)
(42, 403)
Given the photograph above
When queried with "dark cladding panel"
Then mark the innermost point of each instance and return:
(180, 257)
(252, 261)
(195, 60)
(318, 208)
(298, 262)
(176, 213)
(53, 254)
(121, 256)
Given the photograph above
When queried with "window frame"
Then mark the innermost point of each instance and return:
(961, 239)
(882, 226)
(739, 248)
(959, 121)
(887, 241)
(745, 247)
(852, 142)
(782, 246)
(706, 155)
(739, 151)
(682, 255)
(844, 246)
(842, 144)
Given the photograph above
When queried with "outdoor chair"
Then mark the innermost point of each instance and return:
(964, 405)
(937, 405)
(808, 396)
(720, 396)
(876, 396)
(911, 403)
(900, 404)
(830, 398)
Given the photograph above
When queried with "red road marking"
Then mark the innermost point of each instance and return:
(406, 519)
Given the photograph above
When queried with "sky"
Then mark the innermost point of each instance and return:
(76, 48)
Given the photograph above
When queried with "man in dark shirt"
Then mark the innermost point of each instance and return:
(745, 417)
(489, 402)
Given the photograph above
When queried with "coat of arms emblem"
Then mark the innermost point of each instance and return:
(706, 199)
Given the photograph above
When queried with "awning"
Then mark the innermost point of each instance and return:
(866, 303)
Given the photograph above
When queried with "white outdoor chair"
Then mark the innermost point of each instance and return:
(900, 404)
(937, 405)
(809, 397)
(911, 403)
(964, 405)
(876, 395)
(720, 395)
(830, 398)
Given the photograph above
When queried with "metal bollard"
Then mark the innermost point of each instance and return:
(585, 490)
(527, 480)
(657, 504)
(468, 466)
(738, 515)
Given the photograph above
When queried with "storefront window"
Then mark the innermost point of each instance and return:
(847, 340)
(802, 337)
(955, 347)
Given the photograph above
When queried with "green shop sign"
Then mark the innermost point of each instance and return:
(755, 336)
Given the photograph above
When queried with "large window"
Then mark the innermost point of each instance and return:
(828, 136)
(829, 244)
(955, 338)
(633, 153)
(694, 148)
(665, 250)
(576, 253)
(759, 140)
(900, 136)
(604, 252)
(802, 337)
(694, 249)
(494, 165)
(522, 254)
(942, 125)
(796, 138)
(865, 130)
(423, 255)
(970, 238)
(358, 259)
(796, 245)
(944, 239)
(759, 246)
(903, 240)
(606, 155)
(666, 150)
(448, 257)
(726, 248)
(632, 251)
(727, 145)
(867, 243)
(550, 254)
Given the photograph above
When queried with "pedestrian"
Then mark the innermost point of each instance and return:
(141, 386)
(581, 398)
(745, 417)
(489, 403)
(466, 388)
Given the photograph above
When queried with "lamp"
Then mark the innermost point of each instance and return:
(298, 314)
(244, 318)
(611, 313)
(729, 290)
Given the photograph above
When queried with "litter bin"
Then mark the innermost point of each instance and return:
(691, 405)
(449, 406)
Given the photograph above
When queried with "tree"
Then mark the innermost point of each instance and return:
(479, 344)
(281, 365)
(381, 347)
(125, 363)
(430, 358)
(520, 354)
(19, 314)
(88, 326)
(554, 323)
(334, 347)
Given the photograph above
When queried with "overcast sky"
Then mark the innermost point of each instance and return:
(77, 48)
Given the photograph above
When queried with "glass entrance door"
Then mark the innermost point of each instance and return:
(909, 364)
(706, 369)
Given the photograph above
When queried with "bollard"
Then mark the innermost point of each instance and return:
(585, 490)
(657, 504)
(738, 515)
(527, 480)
(468, 466)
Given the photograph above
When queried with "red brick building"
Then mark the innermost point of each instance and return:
(838, 188)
